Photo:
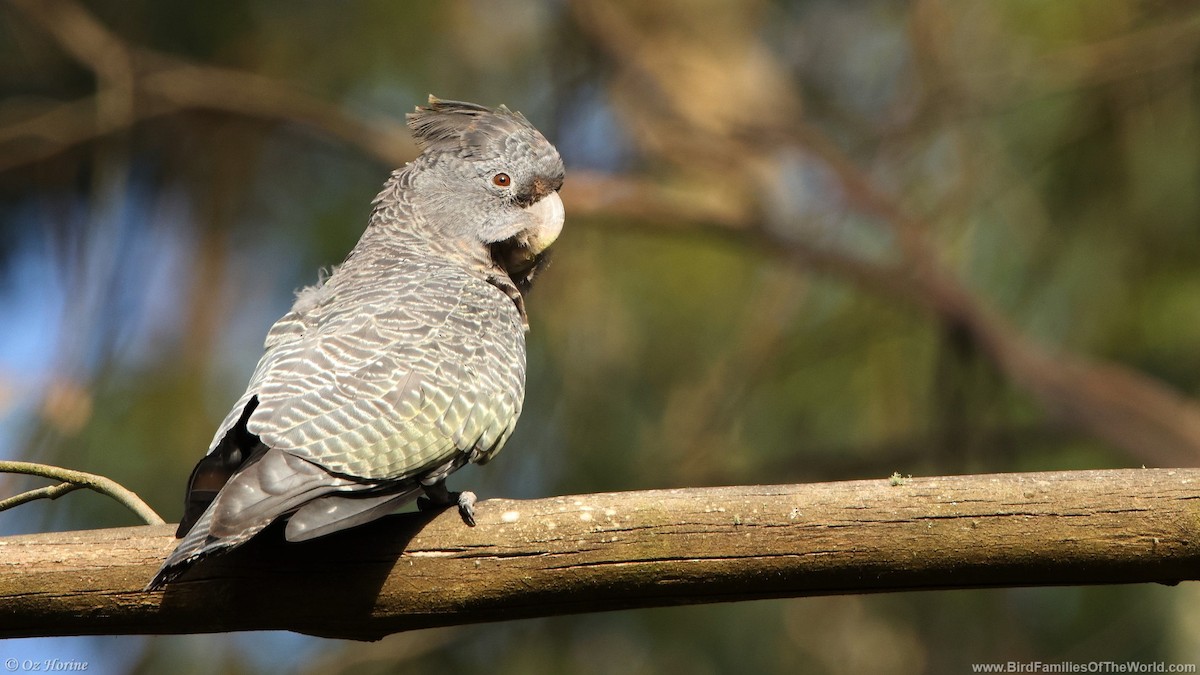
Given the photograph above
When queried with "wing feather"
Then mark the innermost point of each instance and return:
(403, 392)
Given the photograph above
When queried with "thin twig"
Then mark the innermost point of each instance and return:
(78, 479)
(48, 492)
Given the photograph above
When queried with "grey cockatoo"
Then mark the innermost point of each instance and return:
(407, 362)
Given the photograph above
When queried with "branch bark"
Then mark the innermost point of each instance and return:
(612, 551)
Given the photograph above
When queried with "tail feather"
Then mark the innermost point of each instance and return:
(199, 543)
(236, 449)
(338, 512)
(271, 485)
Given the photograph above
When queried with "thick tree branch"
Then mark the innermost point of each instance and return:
(621, 550)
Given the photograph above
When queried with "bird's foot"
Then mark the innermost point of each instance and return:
(466, 507)
(437, 497)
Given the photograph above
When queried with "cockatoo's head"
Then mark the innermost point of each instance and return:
(487, 180)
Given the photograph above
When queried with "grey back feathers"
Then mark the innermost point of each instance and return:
(408, 362)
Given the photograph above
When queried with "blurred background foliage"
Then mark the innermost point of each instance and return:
(806, 240)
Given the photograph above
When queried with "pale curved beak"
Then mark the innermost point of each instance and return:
(546, 218)
(523, 255)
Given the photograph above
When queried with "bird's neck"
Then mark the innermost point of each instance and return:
(393, 231)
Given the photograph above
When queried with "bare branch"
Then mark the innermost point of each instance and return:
(164, 84)
(80, 35)
(240, 93)
(48, 492)
(598, 552)
(1109, 401)
(1124, 407)
(105, 486)
(48, 132)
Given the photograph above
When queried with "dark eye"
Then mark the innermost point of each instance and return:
(502, 180)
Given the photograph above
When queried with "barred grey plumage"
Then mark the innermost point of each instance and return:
(407, 362)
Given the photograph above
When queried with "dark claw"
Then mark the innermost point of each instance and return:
(466, 507)
(438, 497)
